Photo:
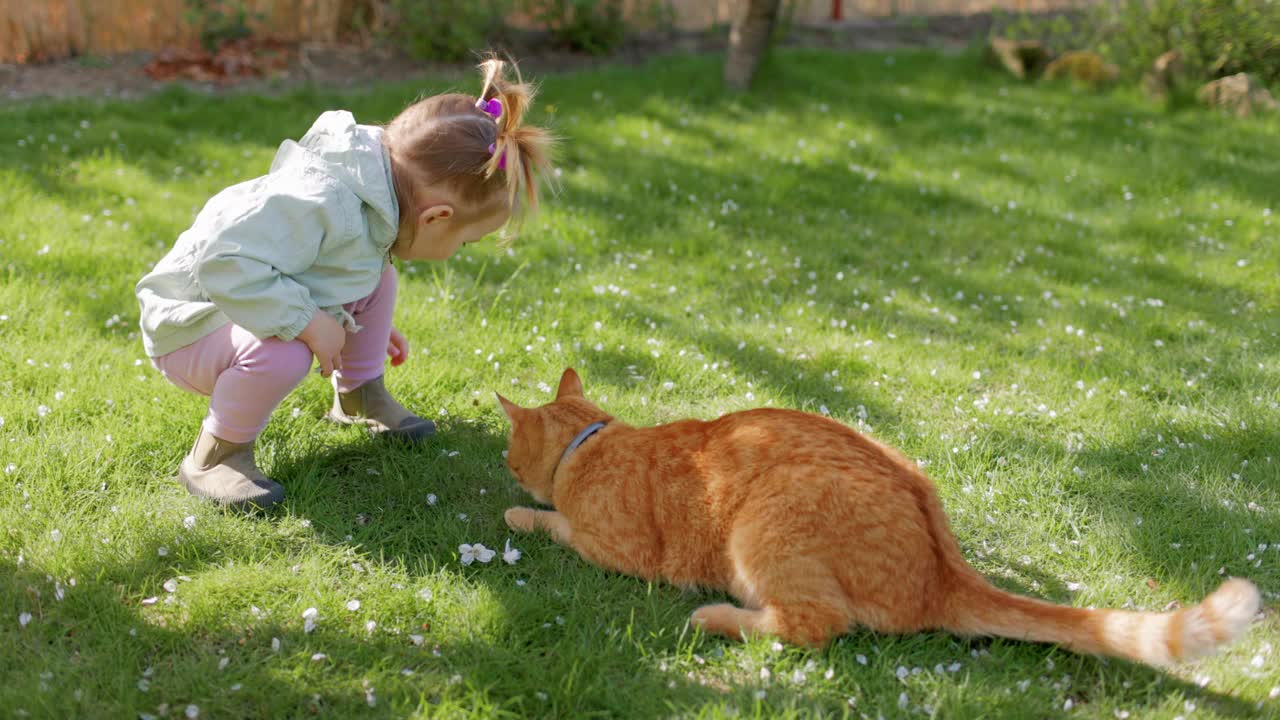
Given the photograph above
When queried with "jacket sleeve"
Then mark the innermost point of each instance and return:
(264, 234)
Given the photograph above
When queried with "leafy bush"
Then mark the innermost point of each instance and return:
(596, 26)
(593, 26)
(1215, 37)
(220, 21)
(443, 29)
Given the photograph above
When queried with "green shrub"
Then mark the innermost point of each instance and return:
(444, 29)
(220, 21)
(597, 26)
(593, 26)
(1216, 37)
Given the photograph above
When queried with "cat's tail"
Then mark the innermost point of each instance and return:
(977, 607)
(973, 606)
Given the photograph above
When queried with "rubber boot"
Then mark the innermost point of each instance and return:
(372, 406)
(225, 472)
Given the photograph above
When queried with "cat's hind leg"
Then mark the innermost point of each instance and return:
(807, 624)
(728, 620)
(781, 562)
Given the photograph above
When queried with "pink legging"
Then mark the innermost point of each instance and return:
(246, 378)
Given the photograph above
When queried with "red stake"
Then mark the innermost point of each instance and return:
(837, 12)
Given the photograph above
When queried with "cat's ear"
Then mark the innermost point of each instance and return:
(511, 409)
(570, 385)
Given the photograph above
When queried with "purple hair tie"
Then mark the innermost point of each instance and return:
(492, 108)
(502, 159)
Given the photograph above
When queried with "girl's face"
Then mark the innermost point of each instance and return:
(437, 231)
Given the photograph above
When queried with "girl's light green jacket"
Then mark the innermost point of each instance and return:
(314, 233)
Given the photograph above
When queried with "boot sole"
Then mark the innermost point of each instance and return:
(263, 502)
(410, 435)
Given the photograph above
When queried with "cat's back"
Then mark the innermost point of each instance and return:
(753, 439)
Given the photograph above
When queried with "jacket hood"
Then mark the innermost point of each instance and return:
(355, 156)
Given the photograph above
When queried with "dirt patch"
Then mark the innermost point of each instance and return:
(343, 67)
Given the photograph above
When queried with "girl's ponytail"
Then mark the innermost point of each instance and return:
(522, 152)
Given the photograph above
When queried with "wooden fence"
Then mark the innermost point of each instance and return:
(36, 30)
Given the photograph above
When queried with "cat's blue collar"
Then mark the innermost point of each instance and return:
(587, 432)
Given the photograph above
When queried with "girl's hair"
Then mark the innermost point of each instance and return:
(447, 138)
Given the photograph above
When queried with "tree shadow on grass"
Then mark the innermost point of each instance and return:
(665, 610)
(1171, 519)
(591, 663)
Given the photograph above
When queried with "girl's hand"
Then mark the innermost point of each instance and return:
(397, 348)
(325, 336)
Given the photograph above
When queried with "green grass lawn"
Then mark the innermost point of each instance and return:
(1064, 305)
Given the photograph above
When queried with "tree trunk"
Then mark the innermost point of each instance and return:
(748, 41)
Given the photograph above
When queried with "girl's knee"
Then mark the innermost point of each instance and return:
(297, 360)
(289, 361)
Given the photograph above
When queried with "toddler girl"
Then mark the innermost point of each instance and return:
(297, 264)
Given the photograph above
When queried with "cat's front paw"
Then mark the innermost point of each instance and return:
(520, 519)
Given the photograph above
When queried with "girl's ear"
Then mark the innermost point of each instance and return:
(511, 409)
(570, 385)
(435, 214)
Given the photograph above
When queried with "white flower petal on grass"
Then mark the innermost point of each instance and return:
(509, 554)
(309, 619)
(353, 605)
(171, 586)
(471, 553)
(162, 551)
(24, 619)
(275, 644)
(319, 657)
(416, 639)
(189, 522)
(432, 499)
(425, 594)
(55, 535)
(192, 712)
(151, 600)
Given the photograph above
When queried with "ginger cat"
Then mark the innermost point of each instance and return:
(811, 526)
